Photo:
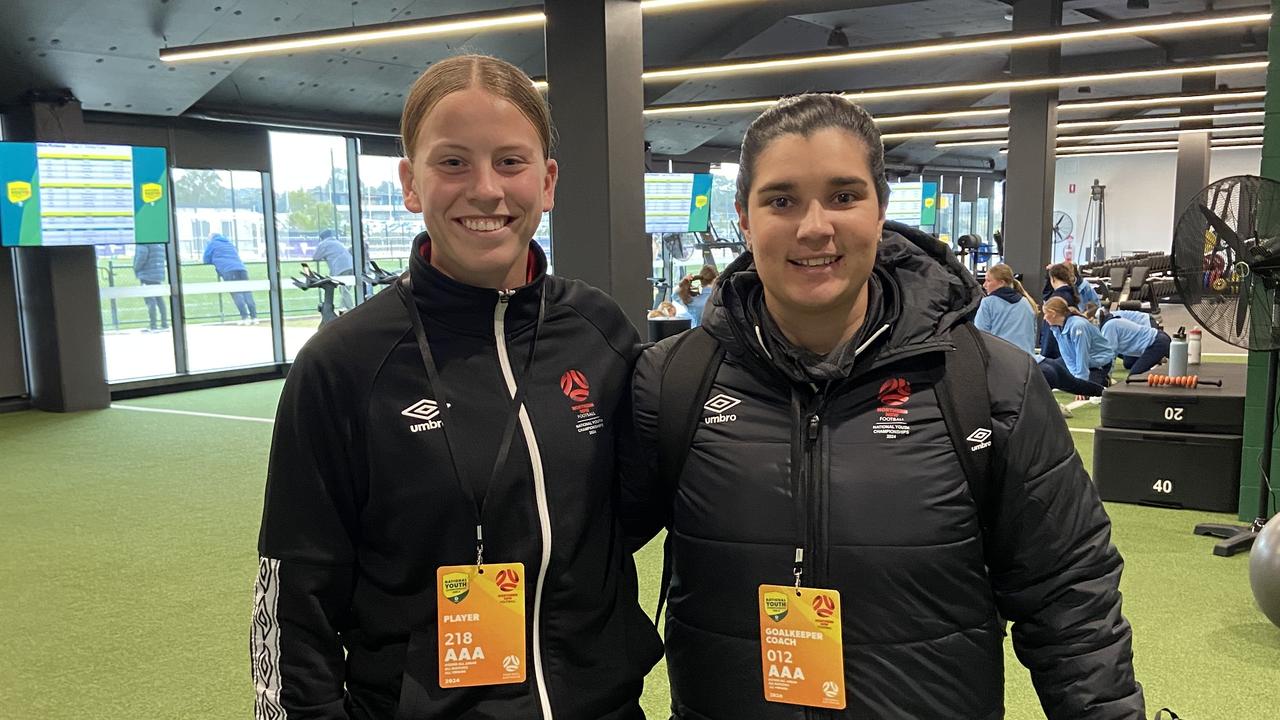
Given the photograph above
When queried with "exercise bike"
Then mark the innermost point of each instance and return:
(327, 285)
(377, 276)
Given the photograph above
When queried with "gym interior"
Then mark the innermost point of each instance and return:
(140, 366)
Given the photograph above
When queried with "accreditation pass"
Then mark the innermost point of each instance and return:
(801, 652)
(480, 624)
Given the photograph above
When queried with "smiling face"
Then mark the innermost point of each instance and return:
(813, 221)
(478, 175)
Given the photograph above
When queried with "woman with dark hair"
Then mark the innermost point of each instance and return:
(820, 483)
(439, 539)
(1060, 282)
(1084, 367)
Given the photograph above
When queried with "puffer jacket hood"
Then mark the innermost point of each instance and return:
(925, 293)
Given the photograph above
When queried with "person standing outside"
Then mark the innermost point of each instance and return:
(822, 464)
(222, 254)
(149, 266)
(439, 539)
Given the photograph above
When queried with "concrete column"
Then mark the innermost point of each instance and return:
(1033, 115)
(60, 306)
(1192, 172)
(1254, 412)
(594, 62)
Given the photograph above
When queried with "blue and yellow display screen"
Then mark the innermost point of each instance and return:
(82, 194)
(677, 202)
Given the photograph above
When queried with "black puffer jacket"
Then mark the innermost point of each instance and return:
(892, 524)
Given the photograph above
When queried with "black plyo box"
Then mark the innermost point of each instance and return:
(1205, 409)
(1170, 469)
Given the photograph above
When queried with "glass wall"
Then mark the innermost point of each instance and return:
(134, 294)
(220, 234)
(387, 226)
(309, 175)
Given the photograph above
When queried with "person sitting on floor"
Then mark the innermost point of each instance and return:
(1084, 367)
(1008, 312)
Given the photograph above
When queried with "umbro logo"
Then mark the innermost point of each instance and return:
(720, 404)
(426, 410)
(981, 439)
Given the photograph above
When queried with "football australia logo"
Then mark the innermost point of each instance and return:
(895, 392)
(775, 605)
(824, 606)
(425, 410)
(507, 580)
(574, 385)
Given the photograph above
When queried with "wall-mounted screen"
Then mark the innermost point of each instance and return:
(82, 194)
(677, 202)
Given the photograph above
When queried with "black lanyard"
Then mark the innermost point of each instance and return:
(405, 290)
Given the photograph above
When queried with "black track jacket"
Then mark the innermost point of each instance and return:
(892, 524)
(362, 506)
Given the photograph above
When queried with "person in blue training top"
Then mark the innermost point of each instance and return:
(1141, 347)
(694, 290)
(1136, 316)
(1061, 283)
(1008, 312)
(221, 253)
(1090, 301)
(1085, 365)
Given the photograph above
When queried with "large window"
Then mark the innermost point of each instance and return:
(220, 231)
(387, 226)
(134, 292)
(309, 175)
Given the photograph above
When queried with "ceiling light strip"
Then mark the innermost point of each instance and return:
(1157, 133)
(1222, 97)
(1159, 119)
(971, 88)
(352, 36)
(1003, 41)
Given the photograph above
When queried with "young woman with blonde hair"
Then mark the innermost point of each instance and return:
(1084, 367)
(1008, 312)
(439, 537)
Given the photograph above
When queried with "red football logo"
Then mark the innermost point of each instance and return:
(575, 386)
(507, 580)
(895, 391)
(824, 606)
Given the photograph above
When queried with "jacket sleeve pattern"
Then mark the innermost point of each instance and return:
(644, 505)
(1054, 571)
(306, 552)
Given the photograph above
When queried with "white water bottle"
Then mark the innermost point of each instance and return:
(1178, 354)
(1193, 346)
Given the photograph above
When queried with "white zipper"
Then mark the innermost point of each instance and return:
(539, 492)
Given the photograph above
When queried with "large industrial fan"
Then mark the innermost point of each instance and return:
(1226, 265)
(1063, 226)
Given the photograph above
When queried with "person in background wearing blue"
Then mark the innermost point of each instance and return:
(1061, 283)
(694, 290)
(1084, 367)
(336, 255)
(1008, 312)
(149, 268)
(1090, 301)
(225, 259)
(1136, 316)
(1141, 347)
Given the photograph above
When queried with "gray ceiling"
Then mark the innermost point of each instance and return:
(105, 53)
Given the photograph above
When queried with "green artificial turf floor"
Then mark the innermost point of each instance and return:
(129, 560)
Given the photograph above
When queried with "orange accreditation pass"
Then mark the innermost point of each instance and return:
(801, 653)
(480, 624)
